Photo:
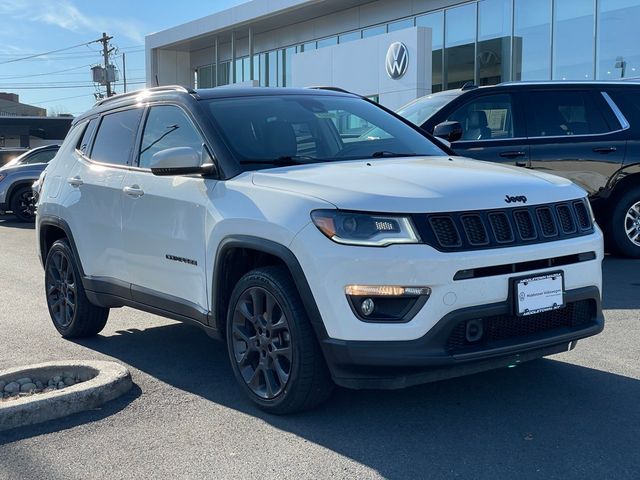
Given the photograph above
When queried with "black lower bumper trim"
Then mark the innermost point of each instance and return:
(396, 364)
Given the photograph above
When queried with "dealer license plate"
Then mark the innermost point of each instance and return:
(539, 294)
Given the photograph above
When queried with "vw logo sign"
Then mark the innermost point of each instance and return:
(397, 60)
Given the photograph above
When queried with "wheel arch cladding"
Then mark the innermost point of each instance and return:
(237, 255)
(52, 229)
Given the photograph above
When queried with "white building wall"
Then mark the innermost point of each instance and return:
(173, 68)
(359, 66)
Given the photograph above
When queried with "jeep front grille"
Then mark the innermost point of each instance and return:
(474, 230)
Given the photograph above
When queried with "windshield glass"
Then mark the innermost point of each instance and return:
(289, 129)
(420, 110)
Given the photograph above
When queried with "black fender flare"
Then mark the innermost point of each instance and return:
(53, 221)
(621, 176)
(277, 250)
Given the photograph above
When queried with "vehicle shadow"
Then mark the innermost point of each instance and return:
(621, 283)
(544, 419)
(9, 221)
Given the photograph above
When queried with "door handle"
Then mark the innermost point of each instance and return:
(513, 154)
(605, 149)
(75, 181)
(133, 191)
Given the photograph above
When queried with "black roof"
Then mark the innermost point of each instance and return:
(169, 92)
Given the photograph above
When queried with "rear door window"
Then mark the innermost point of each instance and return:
(563, 113)
(116, 137)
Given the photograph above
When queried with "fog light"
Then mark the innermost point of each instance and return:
(386, 291)
(367, 306)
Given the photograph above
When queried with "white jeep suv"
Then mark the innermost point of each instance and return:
(321, 254)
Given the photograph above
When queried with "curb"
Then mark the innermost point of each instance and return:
(107, 381)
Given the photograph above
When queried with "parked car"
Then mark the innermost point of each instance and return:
(17, 177)
(588, 132)
(8, 154)
(320, 258)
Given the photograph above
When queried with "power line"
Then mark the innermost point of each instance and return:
(66, 86)
(45, 84)
(11, 77)
(70, 54)
(46, 53)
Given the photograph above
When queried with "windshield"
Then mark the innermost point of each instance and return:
(422, 109)
(289, 129)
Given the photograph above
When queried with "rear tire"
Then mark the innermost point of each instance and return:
(73, 315)
(272, 347)
(22, 204)
(624, 224)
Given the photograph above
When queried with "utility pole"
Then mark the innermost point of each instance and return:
(105, 53)
(124, 72)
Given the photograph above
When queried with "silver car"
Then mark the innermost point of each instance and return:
(16, 178)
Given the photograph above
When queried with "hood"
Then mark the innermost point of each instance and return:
(418, 184)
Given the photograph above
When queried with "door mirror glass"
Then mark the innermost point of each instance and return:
(449, 131)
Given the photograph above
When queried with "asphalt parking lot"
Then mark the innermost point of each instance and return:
(575, 415)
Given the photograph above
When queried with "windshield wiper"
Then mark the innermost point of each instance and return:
(283, 161)
(385, 153)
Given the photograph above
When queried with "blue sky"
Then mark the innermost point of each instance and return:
(61, 82)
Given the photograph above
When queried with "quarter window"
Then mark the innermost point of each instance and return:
(116, 136)
(486, 118)
(562, 113)
(167, 126)
(83, 144)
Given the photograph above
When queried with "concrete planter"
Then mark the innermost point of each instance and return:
(100, 382)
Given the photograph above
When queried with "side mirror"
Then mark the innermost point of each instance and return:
(449, 131)
(180, 161)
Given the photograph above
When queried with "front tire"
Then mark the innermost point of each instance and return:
(624, 226)
(22, 204)
(272, 347)
(73, 315)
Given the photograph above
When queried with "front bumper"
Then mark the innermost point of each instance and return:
(435, 357)
(330, 267)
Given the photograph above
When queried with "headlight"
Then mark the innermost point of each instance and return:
(3, 176)
(590, 209)
(367, 229)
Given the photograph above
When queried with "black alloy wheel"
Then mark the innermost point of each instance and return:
(61, 284)
(23, 204)
(262, 342)
(73, 315)
(272, 346)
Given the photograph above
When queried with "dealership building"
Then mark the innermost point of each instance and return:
(396, 50)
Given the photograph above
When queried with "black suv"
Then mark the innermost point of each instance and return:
(588, 132)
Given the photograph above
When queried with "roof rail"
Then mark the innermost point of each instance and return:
(331, 89)
(468, 86)
(164, 88)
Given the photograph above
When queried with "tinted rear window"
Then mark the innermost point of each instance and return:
(116, 137)
(562, 113)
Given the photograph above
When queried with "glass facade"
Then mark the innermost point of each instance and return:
(488, 42)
